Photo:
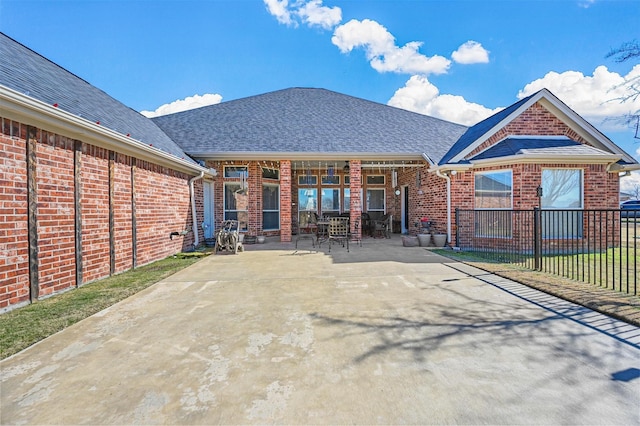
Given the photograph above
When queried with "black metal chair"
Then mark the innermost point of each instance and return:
(339, 231)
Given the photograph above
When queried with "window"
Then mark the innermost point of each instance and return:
(330, 200)
(309, 180)
(236, 204)
(308, 199)
(270, 174)
(375, 180)
(375, 200)
(237, 172)
(330, 180)
(347, 179)
(493, 190)
(347, 199)
(562, 189)
(270, 207)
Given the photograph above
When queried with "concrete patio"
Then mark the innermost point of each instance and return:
(381, 335)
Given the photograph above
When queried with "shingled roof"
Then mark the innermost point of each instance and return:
(311, 122)
(27, 72)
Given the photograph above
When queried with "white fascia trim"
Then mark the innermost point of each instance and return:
(541, 158)
(19, 107)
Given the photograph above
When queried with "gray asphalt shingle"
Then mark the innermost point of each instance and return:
(308, 120)
(29, 73)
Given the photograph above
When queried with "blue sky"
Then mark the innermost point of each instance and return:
(148, 54)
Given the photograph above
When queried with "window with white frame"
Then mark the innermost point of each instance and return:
(236, 172)
(270, 207)
(236, 204)
(375, 179)
(562, 203)
(375, 200)
(347, 199)
(307, 180)
(330, 180)
(493, 202)
(330, 200)
(493, 189)
(272, 174)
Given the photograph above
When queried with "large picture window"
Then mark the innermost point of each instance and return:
(236, 204)
(270, 207)
(493, 190)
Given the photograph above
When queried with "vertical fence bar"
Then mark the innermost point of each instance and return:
(537, 242)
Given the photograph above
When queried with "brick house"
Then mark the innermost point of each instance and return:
(91, 188)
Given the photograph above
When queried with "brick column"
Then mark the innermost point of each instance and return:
(285, 201)
(355, 186)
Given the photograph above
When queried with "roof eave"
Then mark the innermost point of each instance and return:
(25, 109)
(547, 159)
(328, 156)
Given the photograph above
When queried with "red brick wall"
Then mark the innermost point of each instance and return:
(123, 231)
(535, 120)
(14, 246)
(55, 212)
(95, 211)
(162, 206)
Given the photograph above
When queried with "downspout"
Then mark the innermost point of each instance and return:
(194, 217)
(432, 164)
(448, 179)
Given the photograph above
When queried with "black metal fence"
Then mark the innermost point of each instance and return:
(594, 246)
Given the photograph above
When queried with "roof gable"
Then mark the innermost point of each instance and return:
(25, 71)
(308, 121)
(481, 132)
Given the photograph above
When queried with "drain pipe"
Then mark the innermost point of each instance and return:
(448, 179)
(194, 217)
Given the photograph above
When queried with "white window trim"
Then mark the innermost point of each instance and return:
(581, 170)
(333, 188)
(384, 180)
(273, 185)
(384, 199)
(304, 183)
(486, 172)
(246, 168)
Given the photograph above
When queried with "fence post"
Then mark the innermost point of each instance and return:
(537, 238)
(457, 227)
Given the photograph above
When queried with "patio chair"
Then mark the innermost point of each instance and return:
(339, 231)
(381, 226)
(307, 228)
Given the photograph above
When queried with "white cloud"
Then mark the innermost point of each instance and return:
(596, 97)
(280, 9)
(382, 52)
(315, 14)
(191, 102)
(420, 96)
(471, 52)
(629, 183)
(311, 12)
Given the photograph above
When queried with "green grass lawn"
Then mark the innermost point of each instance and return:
(25, 326)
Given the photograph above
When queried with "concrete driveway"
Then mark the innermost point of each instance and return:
(381, 335)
